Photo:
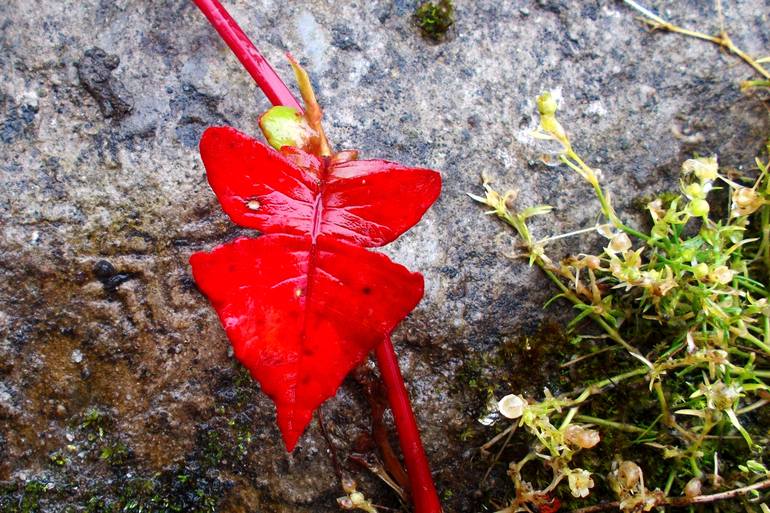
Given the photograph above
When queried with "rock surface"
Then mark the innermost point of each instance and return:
(116, 382)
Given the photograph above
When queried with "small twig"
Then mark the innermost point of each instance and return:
(683, 501)
(499, 452)
(375, 396)
(380, 472)
(586, 356)
(723, 40)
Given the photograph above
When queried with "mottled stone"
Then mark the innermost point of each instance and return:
(113, 367)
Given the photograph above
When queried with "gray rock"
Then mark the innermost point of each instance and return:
(104, 198)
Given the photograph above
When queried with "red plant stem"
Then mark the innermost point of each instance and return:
(423, 491)
(257, 66)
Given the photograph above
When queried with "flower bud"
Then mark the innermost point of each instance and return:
(580, 482)
(694, 191)
(546, 104)
(701, 270)
(721, 396)
(692, 488)
(286, 126)
(348, 485)
(619, 243)
(512, 406)
(698, 207)
(592, 262)
(345, 503)
(581, 437)
(629, 475)
(745, 201)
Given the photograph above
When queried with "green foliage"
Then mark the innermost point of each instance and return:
(434, 19)
(687, 303)
(24, 500)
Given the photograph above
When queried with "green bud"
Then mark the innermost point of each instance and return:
(698, 207)
(286, 126)
(694, 190)
(546, 104)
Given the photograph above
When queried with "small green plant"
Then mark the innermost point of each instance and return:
(115, 454)
(688, 302)
(434, 19)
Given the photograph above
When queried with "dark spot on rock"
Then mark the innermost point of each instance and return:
(449, 271)
(554, 6)
(18, 120)
(95, 75)
(196, 112)
(342, 38)
(366, 290)
(187, 283)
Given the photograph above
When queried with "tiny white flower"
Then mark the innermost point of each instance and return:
(580, 482)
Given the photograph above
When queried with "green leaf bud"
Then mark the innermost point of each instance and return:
(286, 126)
(698, 207)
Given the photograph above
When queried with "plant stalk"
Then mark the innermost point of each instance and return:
(251, 58)
(423, 492)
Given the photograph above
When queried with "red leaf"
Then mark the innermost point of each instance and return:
(365, 202)
(301, 315)
(305, 304)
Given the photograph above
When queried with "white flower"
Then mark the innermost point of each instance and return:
(512, 406)
(580, 482)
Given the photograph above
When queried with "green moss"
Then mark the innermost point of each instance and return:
(434, 19)
(116, 453)
(26, 499)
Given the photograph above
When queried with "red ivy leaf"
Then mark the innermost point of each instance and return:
(303, 305)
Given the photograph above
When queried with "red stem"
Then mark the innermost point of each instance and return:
(421, 482)
(257, 66)
(423, 491)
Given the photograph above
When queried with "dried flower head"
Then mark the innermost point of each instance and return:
(705, 168)
(745, 201)
(581, 437)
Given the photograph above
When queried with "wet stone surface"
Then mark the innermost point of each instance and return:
(116, 382)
